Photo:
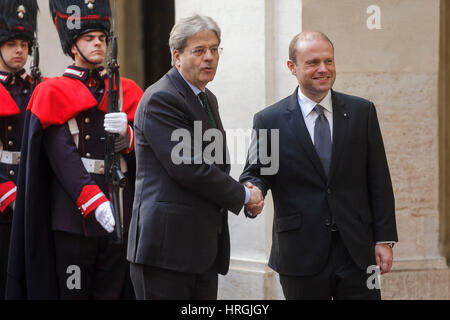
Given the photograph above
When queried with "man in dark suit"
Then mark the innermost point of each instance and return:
(334, 204)
(179, 239)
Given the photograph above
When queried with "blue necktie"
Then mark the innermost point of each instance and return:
(322, 138)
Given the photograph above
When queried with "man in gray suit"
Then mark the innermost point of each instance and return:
(179, 238)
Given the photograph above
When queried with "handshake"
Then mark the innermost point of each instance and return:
(255, 204)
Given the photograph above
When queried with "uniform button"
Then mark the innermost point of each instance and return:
(10, 143)
(10, 128)
(88, 137)
(25, 91)
(87, 120)
(12, 173)
(88, 155)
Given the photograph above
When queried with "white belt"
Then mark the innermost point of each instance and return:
(98, 166)
(11, 158)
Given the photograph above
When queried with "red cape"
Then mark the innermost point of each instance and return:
(57, 100)
(8, 105)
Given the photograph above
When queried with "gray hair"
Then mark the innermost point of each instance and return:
(186, 28)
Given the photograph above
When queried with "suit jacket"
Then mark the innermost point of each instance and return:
(179, 219)
(357, 196)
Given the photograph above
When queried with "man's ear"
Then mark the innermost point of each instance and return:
(176, 57)
(291, 66)
(74, 50)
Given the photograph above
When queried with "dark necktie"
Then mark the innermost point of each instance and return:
(322, 138)
(205, 102)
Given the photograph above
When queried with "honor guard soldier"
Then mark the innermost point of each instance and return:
(66, 219)
(17, 33)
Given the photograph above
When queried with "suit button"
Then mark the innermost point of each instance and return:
(10, 143)
(12, 173)
(87, 120)
(88, 137)
(10, 128)
(329, 191)
(328, 223)
(25, 91)
(88, 155)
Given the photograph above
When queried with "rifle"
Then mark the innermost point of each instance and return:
(36, 76)
(113, 175)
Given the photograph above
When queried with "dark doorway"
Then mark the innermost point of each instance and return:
(158, 20)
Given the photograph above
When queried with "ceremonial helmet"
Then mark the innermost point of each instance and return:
(74, 18)
(18, 20)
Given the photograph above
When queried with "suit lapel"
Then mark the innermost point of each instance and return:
(340, 125)
(196, 108)
(192, 101)
(296, 123)
(215, 112)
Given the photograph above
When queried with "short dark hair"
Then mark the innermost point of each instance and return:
(305, 36)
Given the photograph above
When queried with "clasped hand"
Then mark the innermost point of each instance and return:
(255, 204)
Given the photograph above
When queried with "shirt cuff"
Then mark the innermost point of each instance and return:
(390, 243)
(247, 195)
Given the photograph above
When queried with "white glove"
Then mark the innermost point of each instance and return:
(116, 122)
(105, 217)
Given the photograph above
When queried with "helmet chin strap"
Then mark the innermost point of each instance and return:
(82, 55)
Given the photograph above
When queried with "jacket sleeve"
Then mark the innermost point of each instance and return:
(253, 170)
(66, 163)
(7, 192)
(380, 185)
(166, 121)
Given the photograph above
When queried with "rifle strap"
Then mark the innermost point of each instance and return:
(92, 166)
(74, 131)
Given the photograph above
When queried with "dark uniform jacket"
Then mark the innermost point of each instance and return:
(55, 190)
(14, 96)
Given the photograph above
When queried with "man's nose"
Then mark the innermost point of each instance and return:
(208, 55)
(322, 67)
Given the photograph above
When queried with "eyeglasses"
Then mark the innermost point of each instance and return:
(199, 52)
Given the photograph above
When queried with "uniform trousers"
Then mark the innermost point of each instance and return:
(5, 234)
(100, 264)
